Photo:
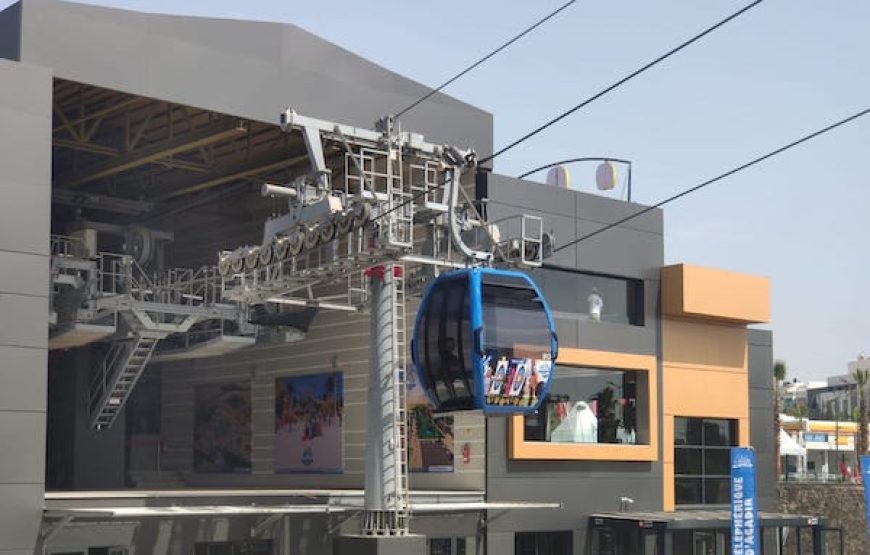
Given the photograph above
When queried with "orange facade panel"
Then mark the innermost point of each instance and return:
(707, 293)
(704, 375)
(519, 448)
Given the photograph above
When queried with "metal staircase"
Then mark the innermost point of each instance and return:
(402, 502)
(117, 375)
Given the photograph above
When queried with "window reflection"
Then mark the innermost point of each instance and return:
(588, 405)
(702, 454)
(592, 296)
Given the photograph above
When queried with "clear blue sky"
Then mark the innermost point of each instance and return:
(785, 68)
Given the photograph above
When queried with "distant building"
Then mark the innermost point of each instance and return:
(837, 400)
(827, 444)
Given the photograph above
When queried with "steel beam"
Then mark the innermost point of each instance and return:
(223, 174)
(101, 202)
(207, 134)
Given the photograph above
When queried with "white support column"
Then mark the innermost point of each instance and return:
(386, 468)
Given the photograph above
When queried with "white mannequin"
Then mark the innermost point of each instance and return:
(581, 426)
(596, 303)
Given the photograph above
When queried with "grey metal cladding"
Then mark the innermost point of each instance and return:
(25, 204)
(760, 360)
(10, 32)
(761, 416)
(243, 68)
(633, 249)
(25, 156)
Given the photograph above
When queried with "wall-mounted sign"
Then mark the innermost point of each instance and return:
(222, 427)
(308, 423)
(744, 509)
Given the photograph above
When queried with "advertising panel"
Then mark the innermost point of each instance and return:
(744, 508)
(308, 423)
(865, 479)
(222, 427)
(509, 380)
(431, 442)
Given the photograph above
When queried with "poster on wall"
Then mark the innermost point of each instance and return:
(430, 447)
(308, 423)
(222, 427)
(514, 381)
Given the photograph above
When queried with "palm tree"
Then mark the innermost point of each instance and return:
(862, 378)
(779, 370)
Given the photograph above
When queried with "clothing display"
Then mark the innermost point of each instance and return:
(580, 426)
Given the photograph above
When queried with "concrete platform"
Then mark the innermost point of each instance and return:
(213, 347)
(76, 335)
(411, 544)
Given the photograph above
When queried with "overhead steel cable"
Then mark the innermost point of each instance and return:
(622, 81)
(517, 37)
(589, 100)
(719, 177)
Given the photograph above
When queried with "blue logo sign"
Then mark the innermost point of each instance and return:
(744, 510)
(865, 478)
(307, 456)
(816, 437)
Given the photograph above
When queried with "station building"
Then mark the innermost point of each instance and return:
(129, 121)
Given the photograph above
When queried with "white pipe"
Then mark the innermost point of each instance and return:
(270, 190)
(312, 303)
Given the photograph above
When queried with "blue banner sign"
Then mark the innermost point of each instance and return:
(865, 478)
(744, 512)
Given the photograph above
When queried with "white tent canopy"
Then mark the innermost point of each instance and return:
(788, 446)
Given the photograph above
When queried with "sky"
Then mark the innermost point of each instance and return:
(782, 70)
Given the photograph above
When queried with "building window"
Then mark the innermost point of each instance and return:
(602, 406)
(591, 405)
(543, 543)
(702, 454)
(447, 546)
(594, 297)
(240, 547)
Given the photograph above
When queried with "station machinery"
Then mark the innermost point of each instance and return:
(380, 215)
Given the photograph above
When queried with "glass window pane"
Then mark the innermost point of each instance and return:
(593, 297)
(717, 432)
(588, 405)
(687, 431)
(717, 461)
(688, 491)
(440, 546)
(524, 544)
(512, 316)
(445, 345)
(687, 461)
(716, 491)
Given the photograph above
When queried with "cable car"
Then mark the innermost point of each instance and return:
(484, 339)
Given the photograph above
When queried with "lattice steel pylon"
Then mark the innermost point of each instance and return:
(387, 496)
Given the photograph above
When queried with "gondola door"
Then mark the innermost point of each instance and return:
(514, 339)
(442, 344)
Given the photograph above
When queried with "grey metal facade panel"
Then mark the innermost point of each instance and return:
(761, 414)
(23, 447)
(25, 205)
(20, 514)
(248, 69)
(25, 321)
(24, 274)
(635, 251)
(10, 32)
(25, 156)
(23, 387)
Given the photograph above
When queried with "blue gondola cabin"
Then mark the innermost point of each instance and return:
(484, 339)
